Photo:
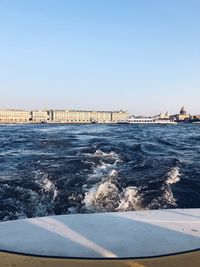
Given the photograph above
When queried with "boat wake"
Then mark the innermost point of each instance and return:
(107, 197)
(167, 199)
(108, 194)
(69, 169)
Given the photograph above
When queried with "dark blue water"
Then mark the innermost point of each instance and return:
(60, 169)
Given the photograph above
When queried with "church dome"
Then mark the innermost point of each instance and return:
(183, 111)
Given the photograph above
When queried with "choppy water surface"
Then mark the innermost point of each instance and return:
(59, 169)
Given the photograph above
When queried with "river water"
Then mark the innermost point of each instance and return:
(60, 169)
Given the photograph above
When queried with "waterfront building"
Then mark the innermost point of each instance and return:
(39, 116)
(164, 115)
(196, 117)
(119, 116)
(61, 116)
(182, 115)
(70, 116)
(14, 116)
(82, 116)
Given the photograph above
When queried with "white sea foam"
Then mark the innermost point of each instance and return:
(102, 198)
(173, 176)
(102, 171)
(84, 187)
(164, 201)
(48, 186)
(168, 197)
(104, 166)
(113, 173)
(100, 154)
(130, 199)
(51, 129)
(107, 197)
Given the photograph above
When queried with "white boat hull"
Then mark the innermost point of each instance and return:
(99, 239)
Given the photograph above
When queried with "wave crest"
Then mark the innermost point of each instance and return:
(107, 197)
(104, 198)
(130, 199)
(173, 176)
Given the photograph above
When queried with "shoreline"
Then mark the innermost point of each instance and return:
(97, 123)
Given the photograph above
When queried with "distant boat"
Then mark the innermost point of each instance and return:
(147, 120)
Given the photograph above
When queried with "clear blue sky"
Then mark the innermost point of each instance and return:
(138, 55)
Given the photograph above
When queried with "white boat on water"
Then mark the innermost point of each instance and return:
(147, 120)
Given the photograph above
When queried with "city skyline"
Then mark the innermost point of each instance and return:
(140, 56)
(177, 111)
(8, 116)
(181, 109)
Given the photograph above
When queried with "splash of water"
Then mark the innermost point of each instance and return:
(49, 186)
(107, 197)
(104, 198)
(130, 199)
(173, 176)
